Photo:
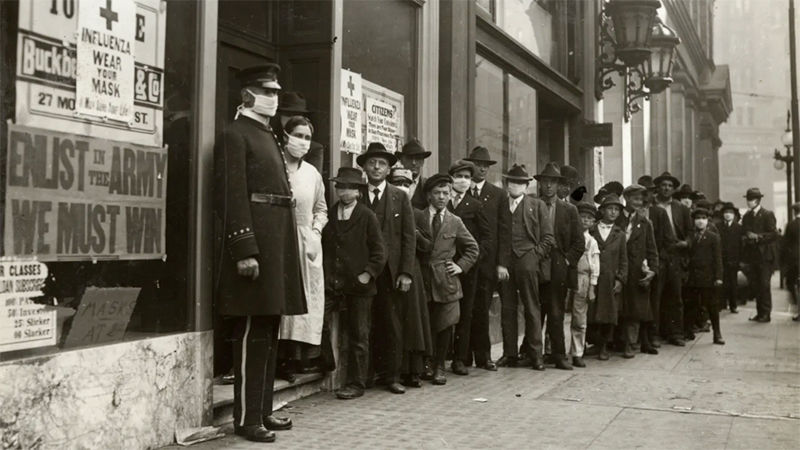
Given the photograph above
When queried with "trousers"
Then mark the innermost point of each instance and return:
(357, 315)
(522, 287)
(577, 325)
(387, 329)
(668, 290)
(255, 350)
(699, 297)
(761, 274)
(730, 286)
(554, 299)
(461, 343)
(480, 343)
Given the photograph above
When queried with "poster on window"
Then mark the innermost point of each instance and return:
(79, 198)
(383, 116)
(48, 68)
(351, 112)
(23, 323)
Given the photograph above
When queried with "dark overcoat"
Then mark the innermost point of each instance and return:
(350, 248)
(662, 231)
(397, 225)
(705, 259)
(762, 252)
(613, 267)
(469, 210)
(731, 242)
(418, 199)
(641, 247)
(494, 205)
(248, 160)
(416, 318)
(568, 248)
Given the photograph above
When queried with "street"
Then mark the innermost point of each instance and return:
(742, 395)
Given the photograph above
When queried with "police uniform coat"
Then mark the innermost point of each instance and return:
(248, 161)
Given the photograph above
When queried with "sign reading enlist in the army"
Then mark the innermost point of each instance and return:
(47, 68)
(71, 197)
(104, 80)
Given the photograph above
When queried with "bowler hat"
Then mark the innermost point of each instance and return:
(578, 193)
(588, 208)
(646, 181)
(634, 189)
(683, 192)
(729, 206)
(517, 173)
(376, 150)
(293, 103)
(414, 149)
(698, 211)
(349, 175)
(610, 199)
(401, 173)
(698, 195)
(569, 173)
(666, 176)
(704, 204)
(551, 170)
(753, 193)
(462, 164)
(264, 75)
(601, 194)
(436, 180)
(480, 155)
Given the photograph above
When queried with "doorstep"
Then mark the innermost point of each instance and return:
(285, 392)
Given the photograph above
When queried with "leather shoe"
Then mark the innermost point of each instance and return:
(655, 342)
(488, 365)
(705, 328)
(650, 350)
(677, 342)
(412, 380)
(349, 393)
(603, 355)
(537, 364)
(396, 388)
(459, 368)
(284, 374)
(577, 361)
(562, 363)
(734, 311)
(628, 353)
(507, 361)
(718, 340)
(690, 336)
(763, 320)
(439, 378)
(255, 433)
(273, 423)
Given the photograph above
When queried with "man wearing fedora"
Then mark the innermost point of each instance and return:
(469, 210)
(259, 276)
(759, 252)
(294, 104)
(558, 272)
(671, 262)
(492, 267)
(393, 209)
(528, 245)
(412, 157)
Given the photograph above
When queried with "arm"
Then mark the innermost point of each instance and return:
(652, 250)
(770, 233)
(467, 247)
(504, 233)
(715, 245)
(575, 250)
(377, 248)
(594, 262)
(546, 237)
(234, 209)
(320, 208)
(484, 236)
(622, 270)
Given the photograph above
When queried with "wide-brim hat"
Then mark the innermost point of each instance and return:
(551, 170)
(376, 150)
(634, 189)
(610, 199)
(697, 211)
(704, 204)
(569, 173)
(753, 193)
(462, 164)
(436, 180)
(402, 173)
(480, 155)
(587, 207)
(646, 181)
(414, 149)
(698, 195)
(517, 172)
(683, 192)
(264, 75)
(579, 193)
(349, 175)
(293, 103)
(614, 187)
(729, 206)
(601, 194)
(666, 176)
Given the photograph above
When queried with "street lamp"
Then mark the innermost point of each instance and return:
(786, 160)
(637, 45)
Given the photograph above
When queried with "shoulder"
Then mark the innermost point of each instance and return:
(472, 204)
(395, 193)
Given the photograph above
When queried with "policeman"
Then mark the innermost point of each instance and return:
(259, 267)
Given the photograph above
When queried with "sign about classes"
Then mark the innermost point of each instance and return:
(105, 75)
(351, 112)
(383, 116)
(49, 76)
(72, 198)
(23, 323)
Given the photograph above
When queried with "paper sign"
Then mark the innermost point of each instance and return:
(23, 323)
(383, 116)
(47, 67)
(351, 109)
(102, 316)
(72, 197)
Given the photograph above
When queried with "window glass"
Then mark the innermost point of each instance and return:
(86, 295)
(489, 112)
(530, 22)
(522, 118)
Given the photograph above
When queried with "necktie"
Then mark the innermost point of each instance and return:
(456, 201)
(437, 223)
(375, 194)
(475, 192)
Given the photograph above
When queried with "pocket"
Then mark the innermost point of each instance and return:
(443, 281)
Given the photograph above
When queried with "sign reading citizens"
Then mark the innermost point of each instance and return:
(71, 197)
(105, 75)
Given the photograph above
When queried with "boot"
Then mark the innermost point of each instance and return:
(603, 354)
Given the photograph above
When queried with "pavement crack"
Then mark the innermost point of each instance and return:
(606, 427)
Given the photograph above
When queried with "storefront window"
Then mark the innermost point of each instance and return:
(522, 123)
(530, 22)
(108, 280)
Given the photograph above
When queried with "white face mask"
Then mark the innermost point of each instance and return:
(297, 147)
(266, 105)
(728, 216)
(461, 185)
(687, 202)
(515, 189)
(701, 224)
(752, 203)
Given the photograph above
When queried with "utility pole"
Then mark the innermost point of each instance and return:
(795, 114)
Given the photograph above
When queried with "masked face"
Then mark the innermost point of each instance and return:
(462, 181)
(752, 203)
(728, 216)
(687, 202)
(299, 141)
(516, 189)
(701, 223)
(347, 195)
(265, 104)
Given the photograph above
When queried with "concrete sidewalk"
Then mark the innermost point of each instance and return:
(745, 395)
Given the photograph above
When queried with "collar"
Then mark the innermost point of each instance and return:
(605, 226)
(381, 187)
(666, 203)
(551, 201)
(432, 211)
(349, 207)
(249, 113)
(479, 185)
(515, 201)
(756, 209)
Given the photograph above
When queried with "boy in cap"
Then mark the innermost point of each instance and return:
(588, 270)
(760, 234)
(705, 273)
(353, 257)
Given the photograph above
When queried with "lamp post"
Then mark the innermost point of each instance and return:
(786, 160)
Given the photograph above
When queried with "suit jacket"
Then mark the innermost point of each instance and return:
(731, 243)
(494, 206)
(452, 243)
(705, 259)
(662, 231)
(399, 232)
(350, 248)
(537, 225)
(681, 220)
(418, 199)
(791, 245)
(762, 224)
(568, 248)
(248, 160)
(469, 210)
